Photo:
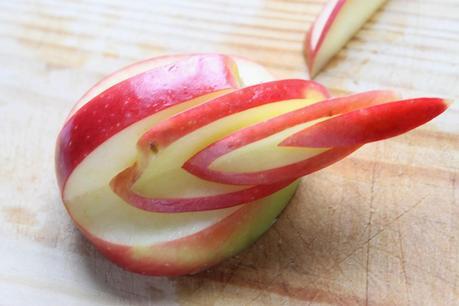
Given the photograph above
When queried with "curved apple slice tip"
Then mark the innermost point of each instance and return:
(369, 124)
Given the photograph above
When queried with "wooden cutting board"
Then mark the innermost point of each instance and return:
(380, 228)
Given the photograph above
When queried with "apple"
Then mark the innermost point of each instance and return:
(175, 163)
(333, 28)
(132, 237)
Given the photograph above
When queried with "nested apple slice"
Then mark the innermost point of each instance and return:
(253, 155)
(335, 25)
(369, 124)
(319, 134)
(187, 81)
(158, 173)
(147, 242)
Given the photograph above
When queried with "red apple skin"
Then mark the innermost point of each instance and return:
(184, 123)
(369, 124)
(136, 98)
(197, 252)
(199, 164)
(113, 78)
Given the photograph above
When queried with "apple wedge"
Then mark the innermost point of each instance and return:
(333, 28)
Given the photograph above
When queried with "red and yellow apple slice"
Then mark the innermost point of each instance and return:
(178, 138)
(112, 225)
(324, 142)
(257, 147)
(172, 165)
(334, 27)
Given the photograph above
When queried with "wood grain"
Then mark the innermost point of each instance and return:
(380, 228)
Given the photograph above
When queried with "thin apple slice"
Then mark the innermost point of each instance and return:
(250, 74)
(255, 149)
(211, 121)
(369, 124)
(124, 74)
(334, 27)
(243, 99)
(135, 99)
(123, 184)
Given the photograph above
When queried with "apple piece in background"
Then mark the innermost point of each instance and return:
(334, 27)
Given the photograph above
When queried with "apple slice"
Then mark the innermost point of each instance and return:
(369, 124)
(138, 97)
(343, 134)
(124, 74)
(230, 159)
(334, 27)
(250, 74)
(185, 243)
(123, 155)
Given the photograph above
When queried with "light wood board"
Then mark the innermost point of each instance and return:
(380, 228)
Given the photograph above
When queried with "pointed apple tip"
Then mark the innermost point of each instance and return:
(448, 102)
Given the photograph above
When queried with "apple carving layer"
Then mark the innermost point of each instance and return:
(175, 163)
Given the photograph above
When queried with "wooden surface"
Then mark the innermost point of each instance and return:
(380, 228)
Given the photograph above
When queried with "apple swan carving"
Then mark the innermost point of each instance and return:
(175, 163)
